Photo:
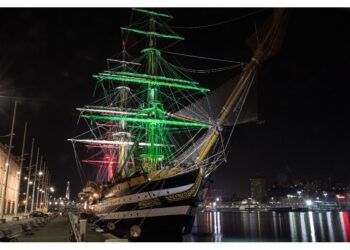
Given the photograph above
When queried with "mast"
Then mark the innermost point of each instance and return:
(123, 135)
(152, 154)
(264, 50)
(153, 157)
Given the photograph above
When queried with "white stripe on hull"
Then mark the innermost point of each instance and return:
(127, 199)
(152, 212)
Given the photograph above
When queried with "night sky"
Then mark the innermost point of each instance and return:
(49, 55)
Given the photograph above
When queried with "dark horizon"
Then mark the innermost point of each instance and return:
(49, 55)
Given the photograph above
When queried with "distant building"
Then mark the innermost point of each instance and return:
(11, 188)
(258, 189)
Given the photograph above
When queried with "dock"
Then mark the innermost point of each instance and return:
(56, 229)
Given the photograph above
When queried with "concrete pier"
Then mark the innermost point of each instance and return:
(58, 230)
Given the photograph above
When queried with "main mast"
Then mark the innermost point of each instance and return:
(153, 156)
(158, 153)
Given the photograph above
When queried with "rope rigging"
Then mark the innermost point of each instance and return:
(201, 57)
(218, 23)
(208, 71)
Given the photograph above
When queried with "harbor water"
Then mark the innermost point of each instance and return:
(256, 226)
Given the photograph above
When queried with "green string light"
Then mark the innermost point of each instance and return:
(153, 33)
(145, 120)
(152, 13)
(149, 82)
(154, 77)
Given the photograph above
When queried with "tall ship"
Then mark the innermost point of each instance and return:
(156, 134)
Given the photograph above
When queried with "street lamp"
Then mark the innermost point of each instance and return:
(308, 203)
(8, 135)
(325, 195)
(288, 197)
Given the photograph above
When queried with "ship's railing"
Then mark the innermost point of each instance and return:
(189, 169)
(78, 228)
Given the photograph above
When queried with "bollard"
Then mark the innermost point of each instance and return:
(72, 236)
(75, 220)
(76, 225)
(82, 230)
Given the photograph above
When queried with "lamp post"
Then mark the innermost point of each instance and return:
(308, 203)
(29, 173)
(39, 183)
(325, 194)
(4, 136)
(42, 186)
(47, 189)
(35, 173)
(51, 189)
(7, 166)
(49, 196)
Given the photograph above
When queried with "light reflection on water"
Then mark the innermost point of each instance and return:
(271, 226)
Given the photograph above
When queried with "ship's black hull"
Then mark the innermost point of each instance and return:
(162, 214)
(155, 229)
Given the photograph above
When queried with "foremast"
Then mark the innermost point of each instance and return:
(123, 135)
